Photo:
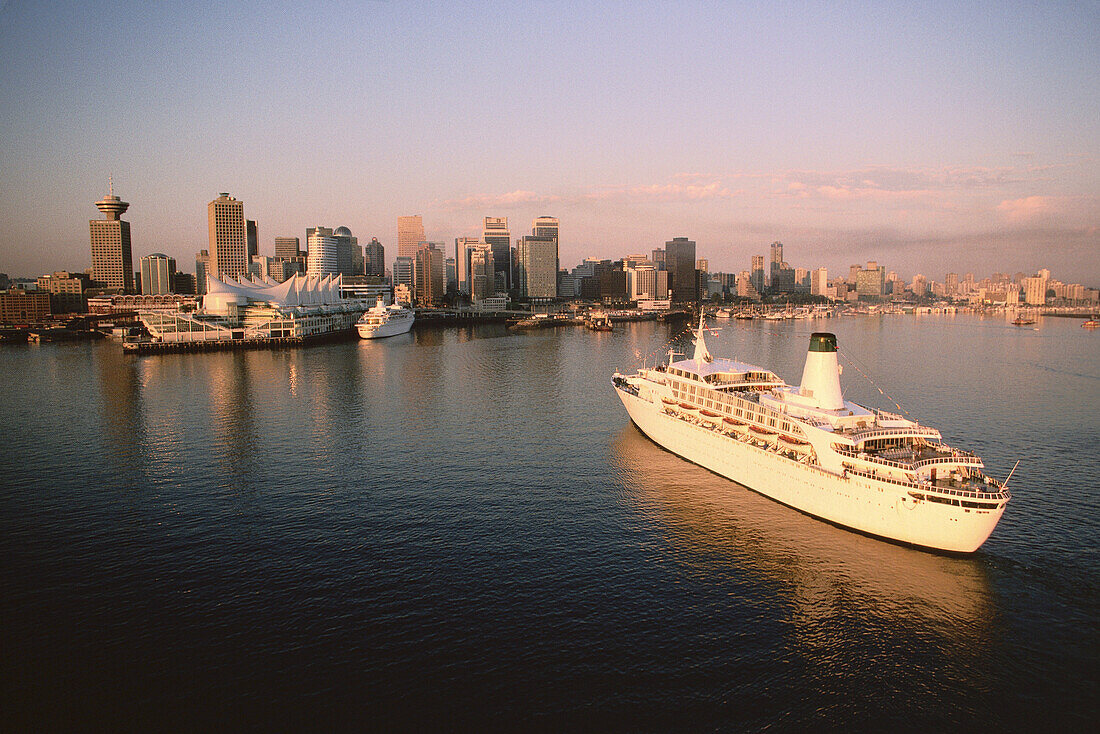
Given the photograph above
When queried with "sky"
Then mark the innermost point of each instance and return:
(927, 136)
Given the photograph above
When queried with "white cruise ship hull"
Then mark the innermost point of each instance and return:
(392, 327)
(869, 506)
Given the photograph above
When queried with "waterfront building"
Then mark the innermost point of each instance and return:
(428, 279)
(112, 259)
(157, 271)
(680, 260)
(323, 257)
(127, 304)
(288, 248)
(410, 233)
(497, 236)
(374, 258)
(228, 241)
(1035, 289)
(202, 270)
(646, 283)
(22, 307)
(302, 307)
(951, 284)
(66, 290)
(537, 267)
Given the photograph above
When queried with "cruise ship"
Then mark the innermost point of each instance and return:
(382, 320)
(807, 447)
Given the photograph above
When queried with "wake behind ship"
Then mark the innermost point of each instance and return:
(809, 448)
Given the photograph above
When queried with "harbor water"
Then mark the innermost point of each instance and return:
(459, 528)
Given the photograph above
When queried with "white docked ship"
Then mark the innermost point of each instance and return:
(809, 448)
(382, 320)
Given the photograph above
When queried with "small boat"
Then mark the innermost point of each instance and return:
(1091, 324)
(666, 401)
(1021, 321)
(599, 321)
(708, 413)
(762, 431)
(734, 422)
(688, 406)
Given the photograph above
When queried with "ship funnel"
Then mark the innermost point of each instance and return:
(821, 378)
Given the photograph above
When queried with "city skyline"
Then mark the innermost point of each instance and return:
(933, 138)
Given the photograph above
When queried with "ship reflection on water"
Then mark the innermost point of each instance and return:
(830, 580)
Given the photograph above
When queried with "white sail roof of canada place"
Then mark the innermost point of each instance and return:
(300, 290)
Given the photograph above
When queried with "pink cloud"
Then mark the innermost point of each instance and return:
(487, 201)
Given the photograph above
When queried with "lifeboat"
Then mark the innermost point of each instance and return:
(688, 406)
(708, 413)
(796, 444)
(734, 422)
(760, 430)
(667, 401)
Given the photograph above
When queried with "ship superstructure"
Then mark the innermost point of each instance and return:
(806, 446)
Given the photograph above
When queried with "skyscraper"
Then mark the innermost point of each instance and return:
(112, 261)
(481, 273)
(323, 257)
(537, 271)
(680, 261)
(349, 256)
(429, 278)
(252, 235)
(228, 242)
(756, 274)
(287, 248)
(776, 263)
(410, 233)
(403, 272)
(499, 239)
(463, 247)
(659, 259)
(374, 258)
(202, 269)
(157, 271)
(545, 227)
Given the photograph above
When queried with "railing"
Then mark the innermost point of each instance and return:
(1001, 494)
(962, 458)
(887, 462)
(891, 432)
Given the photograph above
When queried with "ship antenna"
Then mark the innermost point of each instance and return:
(1004, 484)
